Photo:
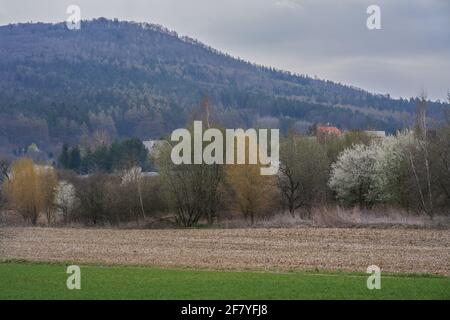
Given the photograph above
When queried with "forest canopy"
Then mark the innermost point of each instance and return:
(116, 80)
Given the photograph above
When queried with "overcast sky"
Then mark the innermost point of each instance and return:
(324, 38)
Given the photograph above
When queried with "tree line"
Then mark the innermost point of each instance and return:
(409, 170)
(105, 158)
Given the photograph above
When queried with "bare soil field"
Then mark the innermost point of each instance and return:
(393, 250)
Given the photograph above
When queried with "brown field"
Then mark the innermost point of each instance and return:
(393, 250)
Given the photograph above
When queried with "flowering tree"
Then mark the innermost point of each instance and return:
(404, 173)
(65, 198)
(392, 168)
(352, 175)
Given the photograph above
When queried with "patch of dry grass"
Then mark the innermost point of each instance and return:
(342, 217)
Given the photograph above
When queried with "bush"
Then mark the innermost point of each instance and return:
(92, 192)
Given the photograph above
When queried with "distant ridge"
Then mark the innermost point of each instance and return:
(128, 79)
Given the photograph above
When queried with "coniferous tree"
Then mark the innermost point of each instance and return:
(75, 159)
(64, 158)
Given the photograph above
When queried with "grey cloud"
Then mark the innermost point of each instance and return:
(327, 38)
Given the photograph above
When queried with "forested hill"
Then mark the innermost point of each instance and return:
(123, 79)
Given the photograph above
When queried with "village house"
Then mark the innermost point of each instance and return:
(324, 132)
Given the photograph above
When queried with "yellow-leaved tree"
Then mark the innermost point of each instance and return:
(253, 194)
(30, 189)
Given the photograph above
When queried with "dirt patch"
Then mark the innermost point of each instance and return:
(393, 250)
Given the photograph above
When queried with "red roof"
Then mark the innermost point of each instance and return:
(328, 130)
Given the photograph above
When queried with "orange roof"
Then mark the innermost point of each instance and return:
(328, 130)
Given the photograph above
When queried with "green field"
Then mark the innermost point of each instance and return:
(48, 281)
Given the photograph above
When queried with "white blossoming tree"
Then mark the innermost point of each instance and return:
(352, 175)
(65, 198)
(392, 167)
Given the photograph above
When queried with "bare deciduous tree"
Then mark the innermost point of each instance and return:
(193, 190)
(421, 133)
(48, 185)
(302, 178)
(133, 178)
(4, 169)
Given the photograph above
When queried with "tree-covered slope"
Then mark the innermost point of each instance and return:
(123, 79)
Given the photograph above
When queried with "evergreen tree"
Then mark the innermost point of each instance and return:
(64, 158)
(75, 159)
